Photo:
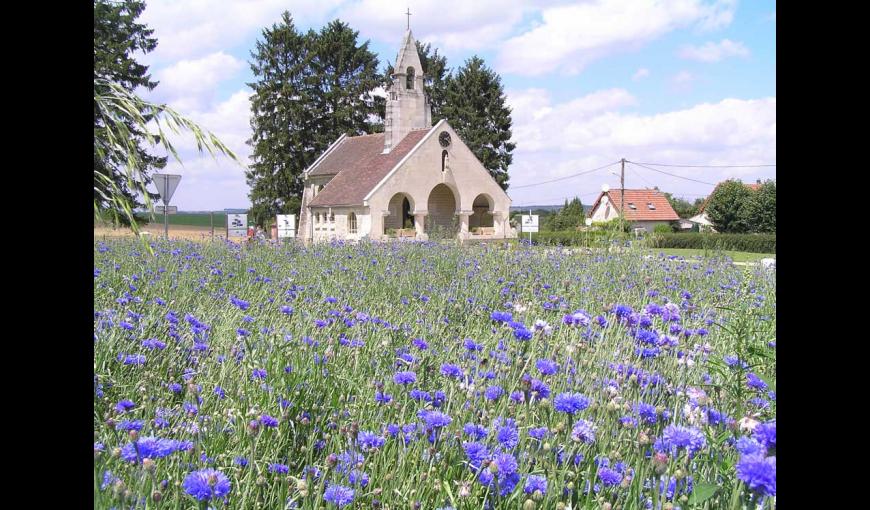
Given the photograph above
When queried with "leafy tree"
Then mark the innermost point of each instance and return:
(682, 207)
(569, 217)
(760, 210)
(310, 89)
(727, 207)
(117, 36)
(476, 108)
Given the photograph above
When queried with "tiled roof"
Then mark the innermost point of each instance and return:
(641, 198)
(359, 166)
(753, 187)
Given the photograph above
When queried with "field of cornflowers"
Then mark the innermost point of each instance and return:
(419, 375)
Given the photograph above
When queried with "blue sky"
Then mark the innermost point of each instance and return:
(687, 82)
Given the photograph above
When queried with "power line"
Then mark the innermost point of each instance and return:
(703, 166)
(566, 177)
(672, 175)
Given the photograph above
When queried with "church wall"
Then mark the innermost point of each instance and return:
(325, 230)
(421, 172)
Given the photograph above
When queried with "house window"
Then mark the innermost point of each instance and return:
(409, 79)
(632, 206)
(444, 158)
(351, 223)
(651, 206)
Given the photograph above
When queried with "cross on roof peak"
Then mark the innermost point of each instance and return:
(408, 14)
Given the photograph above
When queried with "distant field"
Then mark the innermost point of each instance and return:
(192, 219)
(736, 256)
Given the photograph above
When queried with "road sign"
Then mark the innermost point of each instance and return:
(529, 222)
(170, 209)
(166, 184)
(286, 225)
(237, 225)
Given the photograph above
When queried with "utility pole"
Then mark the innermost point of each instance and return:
(622, 192)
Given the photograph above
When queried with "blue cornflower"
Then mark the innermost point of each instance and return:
(754, 382)
(476, 453)
(538, 433)
(124, 406)
(547, 367)
(475, 431)
(539, 389)
(472, 346)
(207, 484)
(242, 305)
(676, 437)
(153, 448)
(571, 403)
(765, 433)
(370, 440)
(357, 477)
(286, 310)
(405, 378)
(258, 373)
(220, 392)
(507, 433)
(523, 334)
(130, 425)
(268, 421)
(647, 412)
(338, 495)
(609, 477)
(153, 343)
(501, 316)
(241, 461)
(132, 359)
(505, 464)
(383, 398)
(759, 473)
(583, 432)
(577, 318)
(518, 397)
(493, 392)
(535, 483)
(279, 468)
(435, 419)
(419, 343)
(418, 394)
(450, 370)
(749, 446)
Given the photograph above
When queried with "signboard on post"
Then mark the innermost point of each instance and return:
(286, 225)
(166, 184)
(168, 209)
(529, 223)
(237, 225)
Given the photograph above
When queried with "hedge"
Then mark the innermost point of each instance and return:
(592, 238)
(754, 243)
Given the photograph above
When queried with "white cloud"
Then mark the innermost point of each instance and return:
(448, 24)
(190, 84)
(714, 52)
(640, 74)
(556, 140)
(190, 28)
(571, 36)
(682, 81)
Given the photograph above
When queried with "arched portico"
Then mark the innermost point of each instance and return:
(442, 209)
(401, 213)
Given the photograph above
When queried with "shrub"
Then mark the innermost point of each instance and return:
(754, 243)
(663, 229)
(591, 238)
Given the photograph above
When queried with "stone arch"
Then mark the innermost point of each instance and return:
(401, 208)
(442, 207)
(482, 215)
(409, 79)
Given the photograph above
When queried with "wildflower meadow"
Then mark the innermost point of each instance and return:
(429, 376)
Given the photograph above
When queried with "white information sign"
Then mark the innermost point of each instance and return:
(237, 225)
(286, 225)
(529, 222)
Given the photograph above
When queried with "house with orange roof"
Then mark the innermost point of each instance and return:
(702, 219)
(644, 208)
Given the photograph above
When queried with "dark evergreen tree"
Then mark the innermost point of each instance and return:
(475, 106)
(569, 217)
(117, 36)
(683, 208)
(310, 89)
(727, 207)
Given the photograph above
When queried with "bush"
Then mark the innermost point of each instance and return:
(663, 229)
(754, 243)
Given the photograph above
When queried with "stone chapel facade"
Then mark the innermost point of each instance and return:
(410, 181)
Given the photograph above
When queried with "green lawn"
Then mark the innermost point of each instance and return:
(737, 256)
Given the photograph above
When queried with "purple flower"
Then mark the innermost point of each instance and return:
(506, 464)
(451, 370)
(124, 406)
(268, 421)
(476, 453)
(207, 484)
(419, 343)
(475, 431)
(765, 433)
(676, 437)
(405, 378)
(369, 440)
(242, 305)
(583, 432)
(538, 433)
(279, 468)
(153, 343)
(493, 392)
(435, 419)
(758, 473)
(132, 359)
(535, 483)
(547, 367)
(609, 477)
(258, 373)
(338, 495)
(571, 403)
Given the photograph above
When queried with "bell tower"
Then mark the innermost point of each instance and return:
(407, 105)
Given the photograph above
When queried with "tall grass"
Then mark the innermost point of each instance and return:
(356, 310)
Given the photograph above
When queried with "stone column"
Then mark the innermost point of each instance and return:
(376, 229)
(420, 225)
(500, 220)
(463, 224)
